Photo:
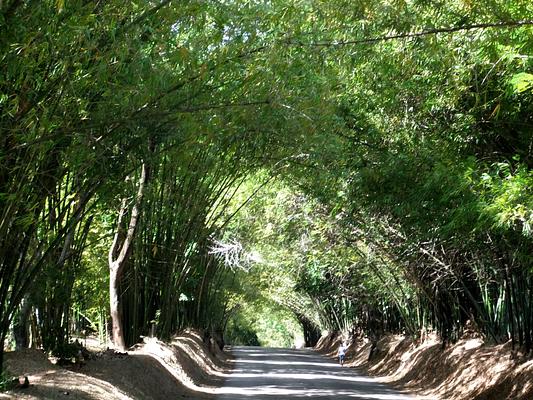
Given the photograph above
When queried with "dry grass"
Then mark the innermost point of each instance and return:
(468, 369)
(186, 368)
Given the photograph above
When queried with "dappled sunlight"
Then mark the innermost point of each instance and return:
(259, 357)
(293, 363)
(198, 356)
(282, 374)
(467, 369)
(186, 359)
(271, 391)
(70, 385)
(154, 369)
(263, 373)
(180, 376)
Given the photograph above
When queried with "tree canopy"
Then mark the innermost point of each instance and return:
(267, 169)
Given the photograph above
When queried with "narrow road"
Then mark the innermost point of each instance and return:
(263, 373)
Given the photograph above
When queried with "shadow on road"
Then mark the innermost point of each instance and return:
(264, 373)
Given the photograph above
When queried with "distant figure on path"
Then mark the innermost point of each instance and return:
(341, 353)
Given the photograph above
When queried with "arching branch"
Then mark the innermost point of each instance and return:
(427, 32)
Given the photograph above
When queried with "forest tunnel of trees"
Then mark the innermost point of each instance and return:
(265, 170)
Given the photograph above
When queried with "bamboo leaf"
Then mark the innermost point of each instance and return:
(521, 82)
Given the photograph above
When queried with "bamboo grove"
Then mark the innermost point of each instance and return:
(378, 158)
(132, 121)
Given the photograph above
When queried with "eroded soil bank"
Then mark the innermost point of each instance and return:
(189, 367)
(468, 369)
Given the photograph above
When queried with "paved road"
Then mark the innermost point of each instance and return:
(262, 373)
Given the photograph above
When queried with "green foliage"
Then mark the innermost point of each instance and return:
(507, 197)
(7, 381)
(238, 335)
(90, 296)
(261, 322)
(429, 169)
(521, 82)
(373, 159)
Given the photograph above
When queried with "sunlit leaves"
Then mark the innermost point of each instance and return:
(521, 82)
(508, 197)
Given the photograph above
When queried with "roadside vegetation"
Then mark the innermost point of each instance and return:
(265, 171)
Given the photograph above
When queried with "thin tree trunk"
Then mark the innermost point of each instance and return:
(121, 250)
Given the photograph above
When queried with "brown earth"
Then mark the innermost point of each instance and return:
(468, 369)
(190, 368)
(185, 368)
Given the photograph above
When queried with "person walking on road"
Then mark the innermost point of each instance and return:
(341, 353)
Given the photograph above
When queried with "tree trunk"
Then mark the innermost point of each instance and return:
(121, 250)
(117, 333)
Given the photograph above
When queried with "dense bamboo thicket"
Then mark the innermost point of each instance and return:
(265, 169)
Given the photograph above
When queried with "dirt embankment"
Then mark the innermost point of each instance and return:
(468, 369)
(185, 368)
